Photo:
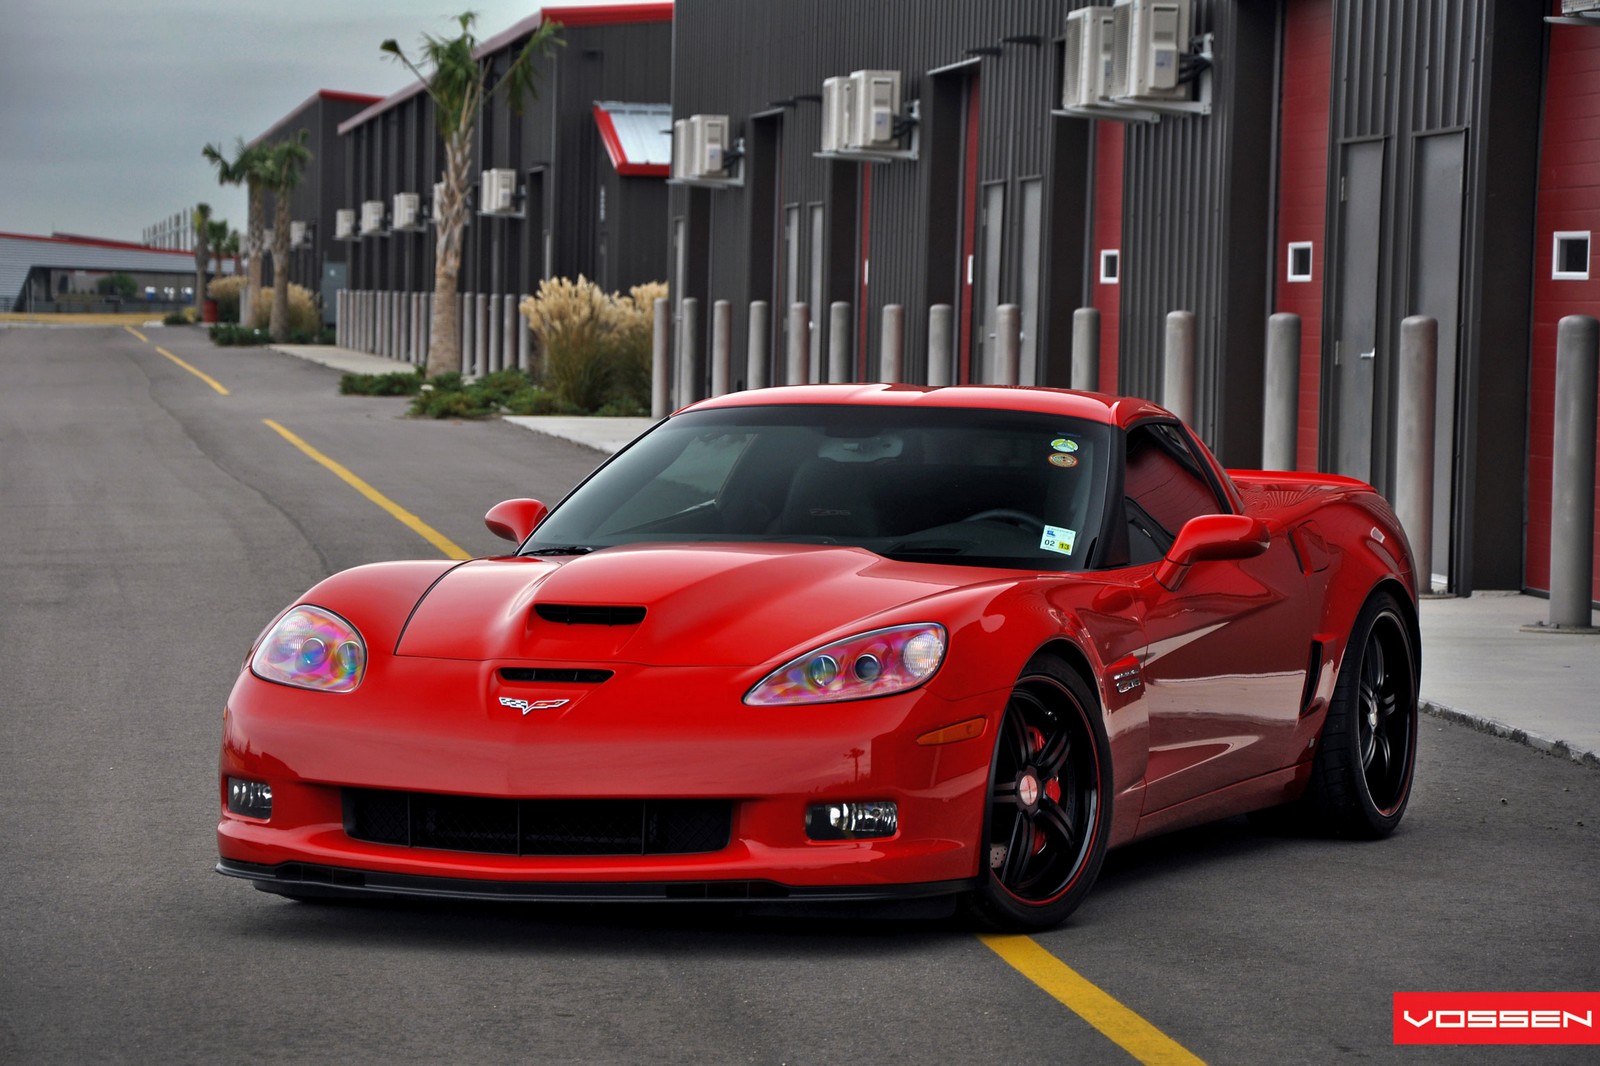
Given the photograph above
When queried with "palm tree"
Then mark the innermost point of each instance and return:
(223, 241)
(456, 84)
(246, 169)
(281, 170)
(201, 224)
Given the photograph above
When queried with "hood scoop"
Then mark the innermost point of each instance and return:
(589, 614)
(554, 675)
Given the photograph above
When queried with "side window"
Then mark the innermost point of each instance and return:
(1165, 487)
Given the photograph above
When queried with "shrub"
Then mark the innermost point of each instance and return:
(230, 334)
(305, 320)
(399, 383)
(118, 284)
(596, 347)
(177, 318)
(226, 292)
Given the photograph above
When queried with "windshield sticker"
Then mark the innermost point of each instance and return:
(1064, 444)
(1058, 540)
(1062, 459)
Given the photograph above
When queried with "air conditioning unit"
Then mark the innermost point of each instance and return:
(344, 224)
(837, 96)
(297, 234)
(1579, 7)
(371, 217)
(871, 108)
(1087, 64)
(497, 192)
(699, 145)
(1150, 37)
(406, 206)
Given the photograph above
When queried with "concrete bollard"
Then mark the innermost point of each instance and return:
(1414, 416)
(524, 336)
(839, 341)
(1178, 364)
(757, 357)
(721, 346)
(480, 359)
(1572, 479)
(892, 344)
(941, 344)
(661, 360)
(492, 360)
(1086, 349)
(691, 366)
(1008, 343)
(1280, 424)
(798, 370)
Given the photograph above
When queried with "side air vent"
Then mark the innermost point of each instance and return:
(547, 675)
(585, 614)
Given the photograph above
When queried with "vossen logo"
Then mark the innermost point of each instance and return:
(1496, 1017)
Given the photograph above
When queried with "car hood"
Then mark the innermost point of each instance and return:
(667, 604)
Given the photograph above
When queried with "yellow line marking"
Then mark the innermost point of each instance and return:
(1081, 996)
(201, 374)
(136, 333)
(400, 514)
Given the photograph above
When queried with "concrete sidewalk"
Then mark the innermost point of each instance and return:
(1480, 665)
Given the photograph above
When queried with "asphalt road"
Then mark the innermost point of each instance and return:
(151, 526)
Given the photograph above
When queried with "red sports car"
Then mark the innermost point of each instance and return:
(839, 643)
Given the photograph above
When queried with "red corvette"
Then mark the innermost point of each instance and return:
(831, 643)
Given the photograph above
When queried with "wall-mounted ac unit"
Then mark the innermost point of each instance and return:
(406, 206)
(1089, 58)
(1579, 7)
(371, 217)
(873, 105)
(837, 96)
(1151, 36)
(297, 234)
(699, 147)
(344, 224)
(497, 192)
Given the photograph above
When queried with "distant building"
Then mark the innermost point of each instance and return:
(60, 274)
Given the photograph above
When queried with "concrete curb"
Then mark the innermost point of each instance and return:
(1559, 748)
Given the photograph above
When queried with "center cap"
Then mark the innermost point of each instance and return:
(1028, 789)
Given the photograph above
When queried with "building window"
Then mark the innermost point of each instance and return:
(1299, 260)
(1110, 266)
(1571, 256)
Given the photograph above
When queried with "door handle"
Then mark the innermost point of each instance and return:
(1373, 354)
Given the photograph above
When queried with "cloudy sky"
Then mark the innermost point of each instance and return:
(105, 104)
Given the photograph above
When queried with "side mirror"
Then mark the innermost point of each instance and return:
(513, 520)
(1212, 536)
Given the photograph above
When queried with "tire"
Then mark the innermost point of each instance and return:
(1362, 773)
(1047, 815)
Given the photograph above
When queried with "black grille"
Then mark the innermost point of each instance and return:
(590, 614)
(538, 827)
(547, 674)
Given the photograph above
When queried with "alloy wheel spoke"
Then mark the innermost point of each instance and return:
(1017, 853)
(1053, 759)
(1058, 826)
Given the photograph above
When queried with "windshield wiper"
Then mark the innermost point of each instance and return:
(564, 549)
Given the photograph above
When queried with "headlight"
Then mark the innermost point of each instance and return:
(856, 668)
(312, 648)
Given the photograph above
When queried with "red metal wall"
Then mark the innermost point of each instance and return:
(1303, 193)
(1569, 199)
(1108, 145)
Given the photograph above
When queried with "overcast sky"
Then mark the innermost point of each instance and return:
(105, 104)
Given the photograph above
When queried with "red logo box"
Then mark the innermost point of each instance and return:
(1497, 1017)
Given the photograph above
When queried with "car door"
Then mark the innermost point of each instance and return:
(1228, 649)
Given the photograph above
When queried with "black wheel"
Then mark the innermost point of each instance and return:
(1361, 776)
(1049, 808)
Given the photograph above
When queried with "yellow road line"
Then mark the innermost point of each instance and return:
(400, 514)
(201, 374)
(136, 333)
(1125, 1028)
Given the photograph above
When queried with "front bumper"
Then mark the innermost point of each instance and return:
(439, 726)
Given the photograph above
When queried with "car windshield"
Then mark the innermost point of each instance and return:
(970, 487)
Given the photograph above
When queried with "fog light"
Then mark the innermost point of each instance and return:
(852, 821)
(252, 799)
